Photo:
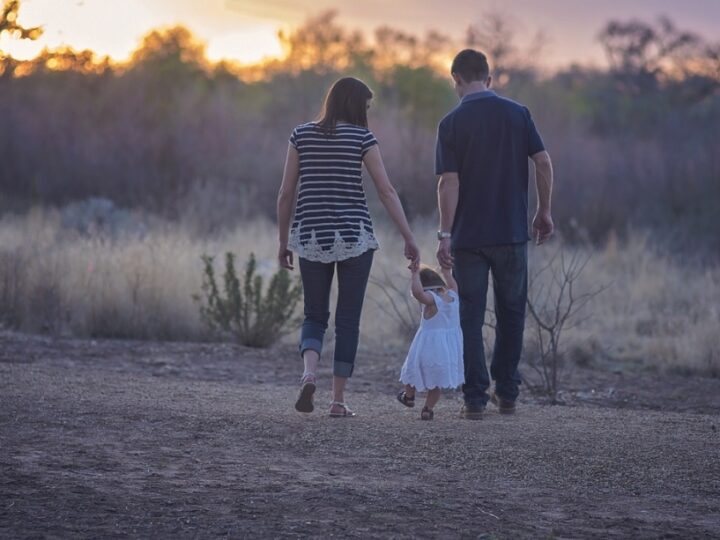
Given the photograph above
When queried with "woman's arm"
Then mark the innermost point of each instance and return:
(449, 279)
(416, 288)
(286, 203)
(390, 200)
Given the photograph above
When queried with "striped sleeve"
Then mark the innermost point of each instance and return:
(368, 142)
(294, 138)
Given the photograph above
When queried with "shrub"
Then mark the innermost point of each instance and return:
(555, 306)
(254, 319)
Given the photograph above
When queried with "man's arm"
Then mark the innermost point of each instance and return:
(446, 167)
(543, 225)
(448, 193)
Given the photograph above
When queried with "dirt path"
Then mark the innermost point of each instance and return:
(117, 439)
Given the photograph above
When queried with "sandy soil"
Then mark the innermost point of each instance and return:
(124, 439)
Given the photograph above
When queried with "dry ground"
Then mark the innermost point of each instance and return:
(130, 439)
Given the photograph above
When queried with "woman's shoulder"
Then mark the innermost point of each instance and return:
(307, 126)
(340, 128)
(352, 128)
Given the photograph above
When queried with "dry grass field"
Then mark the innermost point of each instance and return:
(655, 311)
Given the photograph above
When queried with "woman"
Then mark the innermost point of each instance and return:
(332, 228)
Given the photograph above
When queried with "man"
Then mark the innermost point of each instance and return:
(482, 154)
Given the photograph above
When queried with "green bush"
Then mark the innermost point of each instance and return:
(242, 310)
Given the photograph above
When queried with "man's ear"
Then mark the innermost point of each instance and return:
(457, 78)
(489, 81)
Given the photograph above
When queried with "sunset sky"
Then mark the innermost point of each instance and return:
(246, 30)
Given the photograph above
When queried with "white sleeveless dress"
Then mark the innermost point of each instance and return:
(435, 358)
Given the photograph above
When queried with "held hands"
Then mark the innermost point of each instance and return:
(285, 257)
(444, 257)
(543, 227)
(412, 253)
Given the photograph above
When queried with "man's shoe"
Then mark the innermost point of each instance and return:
(505, 406)
(471, 411)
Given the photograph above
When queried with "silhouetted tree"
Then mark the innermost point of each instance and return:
(322, 45)
(10, 26)
(495, 35)
(643, 56)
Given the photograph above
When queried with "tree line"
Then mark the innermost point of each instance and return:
(634, 145)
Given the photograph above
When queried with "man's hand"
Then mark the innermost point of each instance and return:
(285, 258)
(543, 227)
(444, 257)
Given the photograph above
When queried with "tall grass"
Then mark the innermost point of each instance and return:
(656, 312)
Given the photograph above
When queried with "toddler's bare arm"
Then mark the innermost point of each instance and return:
(420, 295)
(449, 279)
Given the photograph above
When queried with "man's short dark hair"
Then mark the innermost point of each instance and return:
(471, 65)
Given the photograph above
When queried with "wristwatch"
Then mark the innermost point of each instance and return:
(442, 235)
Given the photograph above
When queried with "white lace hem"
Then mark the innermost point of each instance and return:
(339, 251)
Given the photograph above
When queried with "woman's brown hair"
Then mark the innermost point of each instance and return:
(345, 101)
(430, 279)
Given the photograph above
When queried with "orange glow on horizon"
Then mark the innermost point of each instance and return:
(91, 25)
(245, 32)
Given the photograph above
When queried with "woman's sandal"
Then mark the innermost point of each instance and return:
(304, 403)
(346, 411)
(426, 414)
(406, 400)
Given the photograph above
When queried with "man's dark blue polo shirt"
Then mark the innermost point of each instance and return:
(487, 139)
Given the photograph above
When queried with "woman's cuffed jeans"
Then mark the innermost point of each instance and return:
(317, 280)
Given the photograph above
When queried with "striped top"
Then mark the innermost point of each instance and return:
(332, 222)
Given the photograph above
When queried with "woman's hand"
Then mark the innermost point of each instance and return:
(414, 268)
(285, 257)
(412, 253)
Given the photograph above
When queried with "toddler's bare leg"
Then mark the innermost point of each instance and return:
(433, 396)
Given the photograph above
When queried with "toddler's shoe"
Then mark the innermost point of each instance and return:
(406, 400)
(427, 414)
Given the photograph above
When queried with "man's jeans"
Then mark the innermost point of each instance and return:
(317, 279)
(508, 265)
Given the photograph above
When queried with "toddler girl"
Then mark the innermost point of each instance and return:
(435, 359)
